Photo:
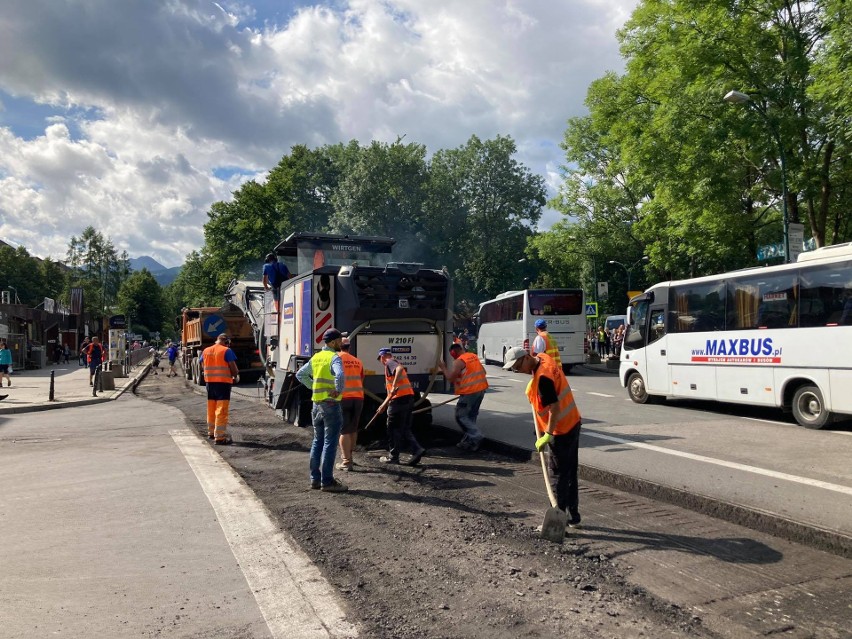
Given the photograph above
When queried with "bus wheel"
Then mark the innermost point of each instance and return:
(636, 389)
(809, 408)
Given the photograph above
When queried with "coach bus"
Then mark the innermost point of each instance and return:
(509, 320)
(774, 336)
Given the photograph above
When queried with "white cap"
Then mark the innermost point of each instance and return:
(513, 355)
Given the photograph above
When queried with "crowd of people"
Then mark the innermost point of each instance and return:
(606, 342)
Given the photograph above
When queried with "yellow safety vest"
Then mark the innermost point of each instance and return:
(551, 347)
(323, 377)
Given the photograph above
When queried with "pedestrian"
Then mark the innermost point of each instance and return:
(172, 353)
(274, 274)
(219, 365)
(558, 419)
(618, 340)
(324, 375)
(399, 404)
(57, 353)
(83, 352)
(155, 365)
(601, 342)
(352, 404)
(5, 363)
(66, 353)
(544, 343)
(94, 358)
(468, 377)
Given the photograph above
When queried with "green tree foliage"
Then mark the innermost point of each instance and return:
(22, 275)
(97, 268)
(140, 299)
(195, 286)
(662, 166)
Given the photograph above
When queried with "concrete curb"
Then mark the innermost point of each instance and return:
(827, 540)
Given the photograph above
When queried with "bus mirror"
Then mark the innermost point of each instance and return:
(630, 316)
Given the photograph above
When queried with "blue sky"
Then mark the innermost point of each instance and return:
(134, 116)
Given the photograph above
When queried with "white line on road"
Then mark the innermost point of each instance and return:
(846, 490)
(293, 596)
(599, 394)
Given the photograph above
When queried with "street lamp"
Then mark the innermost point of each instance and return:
(629, 270)
(738, 97)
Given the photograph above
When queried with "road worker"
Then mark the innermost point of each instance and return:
(219, 365)
(558, 419)
(544, 343)
(324, 375)
(94, 358)
(399, 403)
(352, 404)
(468, 377)
(274, 275)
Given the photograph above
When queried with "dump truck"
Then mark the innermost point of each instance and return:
(352, 283)
(199, 329)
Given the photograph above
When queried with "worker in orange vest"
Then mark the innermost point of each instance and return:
(558, 419)
(544, 343)
(352, 404)
(468, 377)
(219, 364)
(399, 404)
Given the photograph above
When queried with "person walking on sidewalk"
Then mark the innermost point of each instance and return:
(94, 358)
(557, 417)
(219, 364)
(323, 374)
(82, 354)
(5, 363)
(470, 382)
(399, 403)
(352, 404)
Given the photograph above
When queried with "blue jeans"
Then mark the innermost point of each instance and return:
(467, 410)
(327, 419)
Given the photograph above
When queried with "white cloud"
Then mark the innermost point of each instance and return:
(150, 98)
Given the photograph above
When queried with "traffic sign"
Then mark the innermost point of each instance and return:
(118, 321)
(214, 325)
(591, 309)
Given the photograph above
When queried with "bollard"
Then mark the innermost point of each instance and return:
(96, 381)
(50, 394)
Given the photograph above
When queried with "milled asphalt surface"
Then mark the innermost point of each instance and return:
(90, 575)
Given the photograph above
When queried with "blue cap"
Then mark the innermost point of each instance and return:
(383, 351)
(540, 323)
(331, 334)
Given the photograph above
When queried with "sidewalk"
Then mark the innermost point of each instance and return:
(30, 390)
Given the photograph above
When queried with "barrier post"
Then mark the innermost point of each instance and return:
(96, 381)
(51, 393)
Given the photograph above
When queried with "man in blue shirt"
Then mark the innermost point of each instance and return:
(274, 274)
(323, 374)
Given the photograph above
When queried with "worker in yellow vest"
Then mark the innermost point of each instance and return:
(544, 342)
(219, 364)
(558, 419)
(323, 374)
(352, 404)
(468, 378)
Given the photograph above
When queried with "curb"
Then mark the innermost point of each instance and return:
(827, 540)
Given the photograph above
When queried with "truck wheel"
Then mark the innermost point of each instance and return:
(187, 372)
(809, 408)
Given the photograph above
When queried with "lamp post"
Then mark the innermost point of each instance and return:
(629, 269)
(738, 97)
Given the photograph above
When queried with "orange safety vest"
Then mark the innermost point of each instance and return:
(404, 387)
(90, 351)
(567, 415)
(353, 377)
(472, 378)
(216, 369)
(551, 347)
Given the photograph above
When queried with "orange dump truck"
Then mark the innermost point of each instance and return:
(201, 326)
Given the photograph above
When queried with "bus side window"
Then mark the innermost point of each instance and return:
(657, 324)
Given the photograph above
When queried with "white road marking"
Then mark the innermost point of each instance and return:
(599, 394)
(293, 596)
(846, 490)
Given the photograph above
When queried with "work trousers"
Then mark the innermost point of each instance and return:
(467, 410)
(562, 462)
(399, 426)
(218, 407)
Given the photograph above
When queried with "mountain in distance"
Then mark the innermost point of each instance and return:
(163, 275)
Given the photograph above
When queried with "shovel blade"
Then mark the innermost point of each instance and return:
(553, 528)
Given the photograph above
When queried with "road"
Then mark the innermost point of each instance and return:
(738, 455)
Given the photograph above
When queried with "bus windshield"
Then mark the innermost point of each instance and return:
(556, 302)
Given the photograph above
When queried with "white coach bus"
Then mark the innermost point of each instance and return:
(774, 336)
(509, 320)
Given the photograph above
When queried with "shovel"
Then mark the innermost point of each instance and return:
(553, 528)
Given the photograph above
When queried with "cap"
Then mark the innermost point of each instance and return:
(540, 323)
(346, 341)
(383, 351)
(270, 257)
(223, 336)
(331, 334)
(513, 355)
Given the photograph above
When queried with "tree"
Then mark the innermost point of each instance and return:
(97, 268)
(140, 299)
(19, 274)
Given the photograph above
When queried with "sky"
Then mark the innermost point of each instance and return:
(133, 116)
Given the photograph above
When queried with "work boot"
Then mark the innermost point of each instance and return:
(415, 459)
(387, 459)
(334, 487)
